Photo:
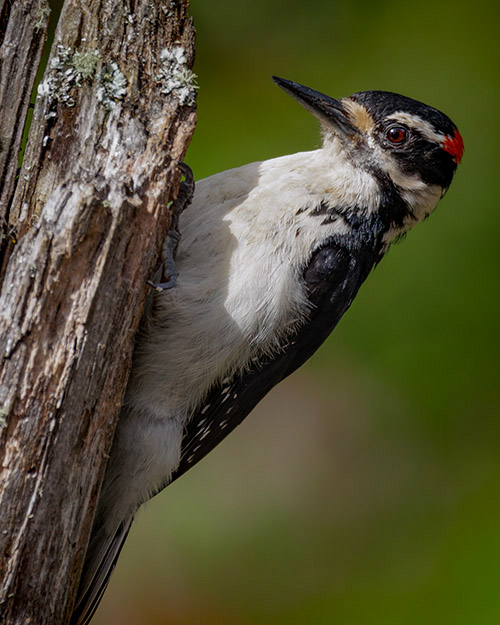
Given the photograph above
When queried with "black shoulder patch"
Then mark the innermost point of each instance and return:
(332, 279)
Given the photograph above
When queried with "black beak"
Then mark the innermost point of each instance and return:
(323, 107)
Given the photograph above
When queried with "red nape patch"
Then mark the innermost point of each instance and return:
(454, 146)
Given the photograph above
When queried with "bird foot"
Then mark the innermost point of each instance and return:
(169, 249)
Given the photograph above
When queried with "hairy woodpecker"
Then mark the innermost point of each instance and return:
(272, 255)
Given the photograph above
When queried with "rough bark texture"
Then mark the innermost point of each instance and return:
(23, 31)
(86, 220)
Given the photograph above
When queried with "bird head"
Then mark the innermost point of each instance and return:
(408, 146)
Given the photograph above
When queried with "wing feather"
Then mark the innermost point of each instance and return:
(332, 278)
(100, 562)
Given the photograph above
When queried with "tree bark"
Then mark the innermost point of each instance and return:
(83, 229)
(23, 31)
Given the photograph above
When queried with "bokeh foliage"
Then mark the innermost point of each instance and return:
(365, 490)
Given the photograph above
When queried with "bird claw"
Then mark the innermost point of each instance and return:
(169, 249)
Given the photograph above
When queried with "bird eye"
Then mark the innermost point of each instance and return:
(397, 134)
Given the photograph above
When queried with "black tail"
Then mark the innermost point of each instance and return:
(100, 562)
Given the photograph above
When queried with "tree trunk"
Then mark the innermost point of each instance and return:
(83, 226)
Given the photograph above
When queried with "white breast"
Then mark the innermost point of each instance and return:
(246, 239)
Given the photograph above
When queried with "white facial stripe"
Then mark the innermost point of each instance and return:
(399, 178)
(421, 125)
(421, 202)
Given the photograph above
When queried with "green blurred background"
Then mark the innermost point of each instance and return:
(365, 489)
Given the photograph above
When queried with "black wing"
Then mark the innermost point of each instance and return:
(332, 278)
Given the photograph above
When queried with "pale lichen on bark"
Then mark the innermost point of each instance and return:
(175, 77)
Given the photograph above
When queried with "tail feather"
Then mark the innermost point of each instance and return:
(100, 562)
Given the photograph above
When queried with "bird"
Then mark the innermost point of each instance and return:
(270, 257)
